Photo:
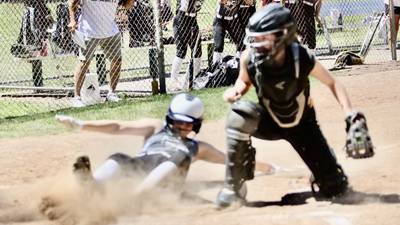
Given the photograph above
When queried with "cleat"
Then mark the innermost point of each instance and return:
(82, 168)
(227, 197)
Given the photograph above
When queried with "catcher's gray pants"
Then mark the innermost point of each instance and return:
(143, 165)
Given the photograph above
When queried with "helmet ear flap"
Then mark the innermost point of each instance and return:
(169, 120)
(196, 127)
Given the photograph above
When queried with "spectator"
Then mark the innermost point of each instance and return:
(304, 12)
(97, 23)
(396, 6)
(246, 10)
(227, 20)
(186, 33)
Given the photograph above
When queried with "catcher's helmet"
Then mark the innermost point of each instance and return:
(187, 108)
(271, 19)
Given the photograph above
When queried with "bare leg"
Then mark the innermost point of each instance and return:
(79, 76)
(115, 70)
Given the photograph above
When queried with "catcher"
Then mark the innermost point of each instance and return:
(279, 68)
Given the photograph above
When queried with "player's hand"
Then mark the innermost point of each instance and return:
(72, 26)
(69, 121)
(231, 95)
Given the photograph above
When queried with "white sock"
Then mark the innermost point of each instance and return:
(109, 168)
(176, 67)
(217, 56)
(157, 175)
(196, 66)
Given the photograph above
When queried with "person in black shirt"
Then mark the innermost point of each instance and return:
(227, 20)
(279, 69)
(186, 33)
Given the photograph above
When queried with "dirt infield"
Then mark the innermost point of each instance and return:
(33, 167)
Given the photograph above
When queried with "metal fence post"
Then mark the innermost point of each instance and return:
(210, 51)
(153, 68)
(37, 73)
(393, 40)
(160, 48)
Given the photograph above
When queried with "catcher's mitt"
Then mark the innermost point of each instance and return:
(358, 142)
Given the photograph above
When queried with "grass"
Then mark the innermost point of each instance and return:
(129, 109)
(36, 116)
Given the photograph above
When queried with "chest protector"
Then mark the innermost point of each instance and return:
(166, 143)
(283, 91)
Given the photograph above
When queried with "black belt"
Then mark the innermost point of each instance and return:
(227, 17)
(187, 13)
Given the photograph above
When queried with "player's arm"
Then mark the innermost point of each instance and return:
(72, 9)
(358, 141)
(209, 153)
(243, 82)
(142, 127)
(337, 88)
(317, 7)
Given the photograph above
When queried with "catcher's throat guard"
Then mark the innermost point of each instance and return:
(358, 141)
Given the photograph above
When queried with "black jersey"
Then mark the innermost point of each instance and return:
(167, 143)
(189, 6)
(284, 91)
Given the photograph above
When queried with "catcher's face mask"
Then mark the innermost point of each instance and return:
(266, 45)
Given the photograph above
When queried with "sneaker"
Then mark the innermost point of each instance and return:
(112, 97)
(227, 197)
(77, 102)
(175, 86)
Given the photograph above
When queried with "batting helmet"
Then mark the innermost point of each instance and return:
(187, 108)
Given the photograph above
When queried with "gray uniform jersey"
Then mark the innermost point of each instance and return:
(168, 143)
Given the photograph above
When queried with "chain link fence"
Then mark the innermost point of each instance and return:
(39, 56)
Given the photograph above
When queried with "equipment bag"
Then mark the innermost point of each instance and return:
(62, 36)
(223, 73)
(33, 32)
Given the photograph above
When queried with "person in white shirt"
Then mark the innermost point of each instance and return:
(97, 25)
(396, 6)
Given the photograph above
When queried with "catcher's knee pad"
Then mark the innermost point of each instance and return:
(243, 120)
(331, 184)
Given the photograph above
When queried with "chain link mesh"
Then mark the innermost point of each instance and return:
(39, 56)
